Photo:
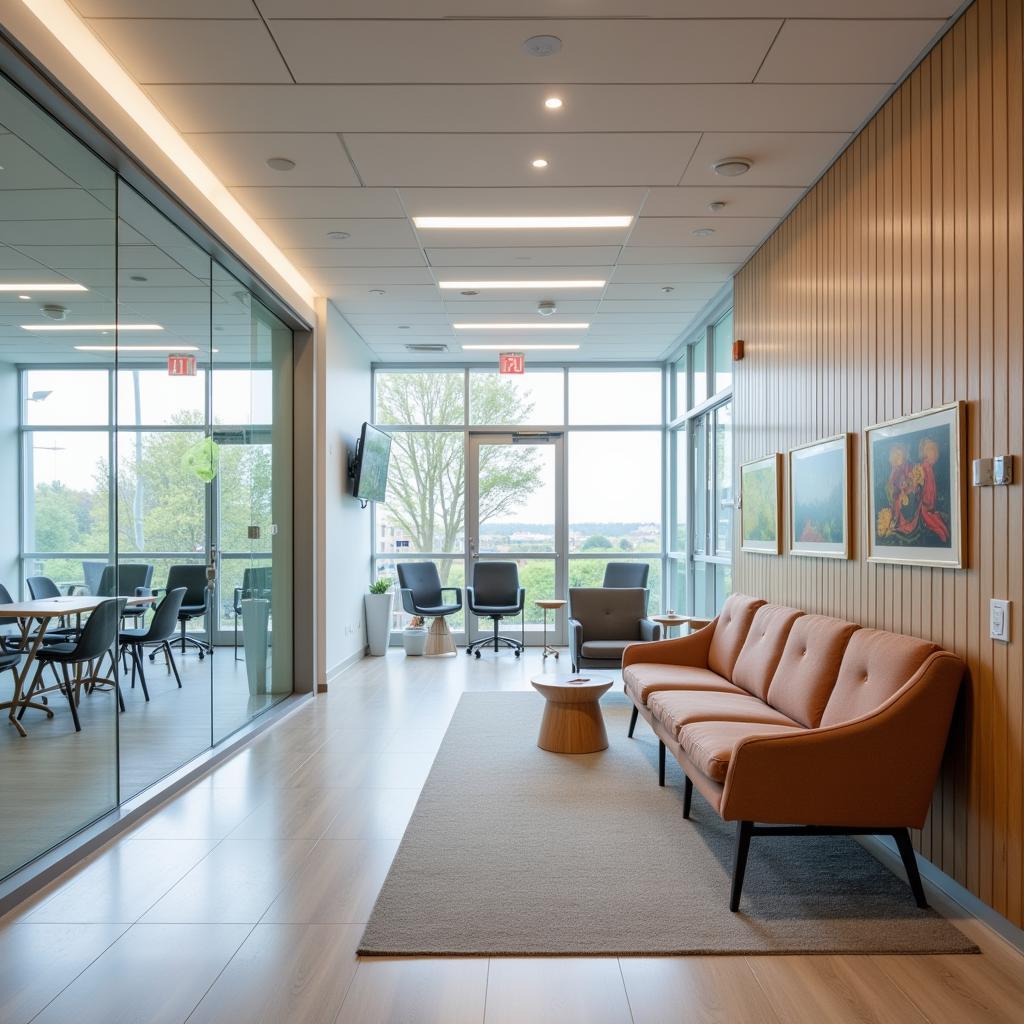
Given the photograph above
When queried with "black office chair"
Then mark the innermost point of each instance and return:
(10, 628)
(257, 582)
(98, 639)
(422, 593)
(194, 606)
(159, 634)
(127, 579)
(496, 594)
(9, 663)
(42, 588)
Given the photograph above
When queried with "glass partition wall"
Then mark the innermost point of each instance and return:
(558, 469)
(145, 445)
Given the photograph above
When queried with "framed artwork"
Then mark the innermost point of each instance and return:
(761, 505)
(819, 498)
(914, 488)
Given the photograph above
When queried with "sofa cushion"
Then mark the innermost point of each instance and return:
(710, 745)
(809, 666)
(681, 707)
(606, 650)
(643, 679)
(762, 649)
(876, 664)
(731, 630)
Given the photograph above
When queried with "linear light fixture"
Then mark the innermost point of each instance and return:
(469, 223)
(72, 32)
(43, 288)
(137, 348)
(91, 327)
(459, 285)
(519, 348)
(522, 327)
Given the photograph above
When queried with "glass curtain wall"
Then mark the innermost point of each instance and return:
(613, 425)
(145, 439)
(702, 491)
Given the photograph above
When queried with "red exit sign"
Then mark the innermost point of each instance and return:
(512, 362)
(181, 365)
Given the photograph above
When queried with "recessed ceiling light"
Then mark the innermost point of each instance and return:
(91, 327)
(519, 348)
(137, 348)
(339, 236)
(458, 285)
(377, 291)
(560, 326)
(732, 167)
(542, 46)
(403, 327)
(666, 288)
(138, 277)
(553, 103)
(281, 163)
(467, 291)
(716, 206)
(57, 287)
(470, 223)
(24, 296)
(702, 232)
(539, 162)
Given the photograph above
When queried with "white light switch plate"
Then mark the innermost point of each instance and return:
(999, 620)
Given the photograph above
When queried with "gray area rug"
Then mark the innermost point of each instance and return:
(516, 851)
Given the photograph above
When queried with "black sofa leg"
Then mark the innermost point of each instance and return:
(903, 844)
(687, 795)
(744, 830)
(661, 763)
(632, 721)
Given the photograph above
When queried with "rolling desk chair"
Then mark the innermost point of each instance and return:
(496, 594)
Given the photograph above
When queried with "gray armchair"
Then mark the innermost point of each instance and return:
(603, 622)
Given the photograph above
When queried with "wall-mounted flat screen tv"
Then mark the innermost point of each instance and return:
(370, 470)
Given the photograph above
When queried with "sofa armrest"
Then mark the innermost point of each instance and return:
(684, 650)
(877, 770)
(650, 630)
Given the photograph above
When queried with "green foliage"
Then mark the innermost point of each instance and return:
(597, 542)
(381, 586)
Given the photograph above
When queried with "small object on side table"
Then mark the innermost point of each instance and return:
(572, 723)
(554, 604)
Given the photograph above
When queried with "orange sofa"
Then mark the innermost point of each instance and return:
(797, 724)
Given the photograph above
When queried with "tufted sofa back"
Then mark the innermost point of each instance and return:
(731, 630)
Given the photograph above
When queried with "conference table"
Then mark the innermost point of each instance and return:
(42, 613)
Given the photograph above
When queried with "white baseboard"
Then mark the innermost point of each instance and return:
(937, 881)
(344, 665)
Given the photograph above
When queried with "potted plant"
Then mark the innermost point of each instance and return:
(378, 604)
(414, 636)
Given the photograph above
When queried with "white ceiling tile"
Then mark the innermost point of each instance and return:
(652, 254)
(649, 305)
(240, 158)
(673, 273)
(526, 257)
(457, 50)
(329, 203)
(397, 308)
(383, 277)
(525, 309)
(655, 292)
(690, 201)
(366, 233)
(164, 8)
(520, 273)
(338, 257)
(779, 158)
(511, 202)
(173, 50)
(361, 293)
(660, 231)
(476, 160)
(846, 51)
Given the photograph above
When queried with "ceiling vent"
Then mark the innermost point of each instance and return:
(426, 346)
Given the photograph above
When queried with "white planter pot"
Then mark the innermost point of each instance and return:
(414, 640)
(255, 616)
(378, 622)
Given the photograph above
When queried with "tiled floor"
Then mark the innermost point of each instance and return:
(243, 901)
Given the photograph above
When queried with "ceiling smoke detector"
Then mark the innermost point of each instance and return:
(426, 346)
(666, 288)
(703, 232)
(716, 206)
(281, 163)
(469, 291)
(338, 236)
(547, 308)
(732, 166)
(54, 311)
(542, 46)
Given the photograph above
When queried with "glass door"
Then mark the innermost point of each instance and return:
(522, 523)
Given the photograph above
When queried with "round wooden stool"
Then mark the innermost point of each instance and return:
(572, 723)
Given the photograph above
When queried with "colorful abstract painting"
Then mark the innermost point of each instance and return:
(915, 489)
(760, 515)
(819, 498)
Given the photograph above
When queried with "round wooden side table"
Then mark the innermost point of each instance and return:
(554, 604)
(669, 620)
(572, 722)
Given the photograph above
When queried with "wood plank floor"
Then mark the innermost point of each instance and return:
(244, 899)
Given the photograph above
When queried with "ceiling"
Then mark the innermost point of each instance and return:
(392, 109)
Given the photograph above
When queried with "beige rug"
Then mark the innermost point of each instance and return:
(515, 851)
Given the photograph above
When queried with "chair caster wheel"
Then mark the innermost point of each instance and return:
(518, 653)
(201, 655)
(468, 652)
(152, 657)
(476, 654)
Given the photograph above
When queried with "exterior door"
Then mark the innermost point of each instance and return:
(502, 525)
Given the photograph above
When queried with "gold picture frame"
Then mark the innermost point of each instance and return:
(760, 490)
(915, 501)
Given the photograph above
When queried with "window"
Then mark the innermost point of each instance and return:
(699, 371)
(427, 398)
(614, 396)
(534, 398)
(723, 353)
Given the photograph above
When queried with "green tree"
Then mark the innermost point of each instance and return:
(427, 480)
(596, 542)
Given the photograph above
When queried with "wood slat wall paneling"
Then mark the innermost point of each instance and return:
(896, 285)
